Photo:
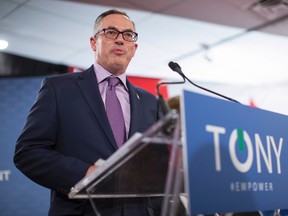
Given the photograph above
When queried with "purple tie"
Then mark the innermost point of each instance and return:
(114, 111)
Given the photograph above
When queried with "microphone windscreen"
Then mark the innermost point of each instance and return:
(172, 65)
(175, 67)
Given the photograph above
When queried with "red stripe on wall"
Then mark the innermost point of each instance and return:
(149, 84)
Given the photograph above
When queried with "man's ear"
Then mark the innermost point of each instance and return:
(136, 46)
(93, 43)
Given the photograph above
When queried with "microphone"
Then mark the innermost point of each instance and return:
(164, 106)
(175, 67)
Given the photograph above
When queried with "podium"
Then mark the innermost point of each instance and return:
(222, 156)
(147, 165)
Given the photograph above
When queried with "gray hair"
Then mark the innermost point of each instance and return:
(106, 13)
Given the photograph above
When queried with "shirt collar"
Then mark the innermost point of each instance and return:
(102, 74)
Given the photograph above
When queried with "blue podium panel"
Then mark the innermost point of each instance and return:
(235, 156)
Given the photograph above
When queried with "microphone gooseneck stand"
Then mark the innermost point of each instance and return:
(175, 67)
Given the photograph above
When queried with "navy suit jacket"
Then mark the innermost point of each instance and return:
(67, 130)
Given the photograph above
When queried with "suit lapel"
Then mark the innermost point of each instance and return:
(135, 105)
(88, 84)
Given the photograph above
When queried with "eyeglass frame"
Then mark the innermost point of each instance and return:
(119, 32)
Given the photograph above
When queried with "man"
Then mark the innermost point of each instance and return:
(67, 129)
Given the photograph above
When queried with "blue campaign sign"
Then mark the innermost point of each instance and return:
(235, 156)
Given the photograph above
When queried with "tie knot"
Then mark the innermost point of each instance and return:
(113, 81)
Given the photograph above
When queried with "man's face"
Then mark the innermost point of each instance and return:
(114, 54)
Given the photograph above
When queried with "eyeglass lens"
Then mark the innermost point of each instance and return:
(127, 35)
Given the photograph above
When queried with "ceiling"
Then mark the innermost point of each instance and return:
(222, 41)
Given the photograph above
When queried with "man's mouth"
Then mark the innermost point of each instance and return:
(118, 51)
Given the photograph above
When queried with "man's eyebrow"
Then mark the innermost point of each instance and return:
(112, 27)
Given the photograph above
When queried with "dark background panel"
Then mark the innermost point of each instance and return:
(14, 65)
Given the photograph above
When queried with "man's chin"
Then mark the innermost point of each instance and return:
(118, 68)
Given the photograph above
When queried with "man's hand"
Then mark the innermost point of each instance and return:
(98, 163)
(91, 169)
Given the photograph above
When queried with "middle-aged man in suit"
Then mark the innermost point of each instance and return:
(67, 129)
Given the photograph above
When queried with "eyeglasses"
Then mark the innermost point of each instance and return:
(114, 33)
